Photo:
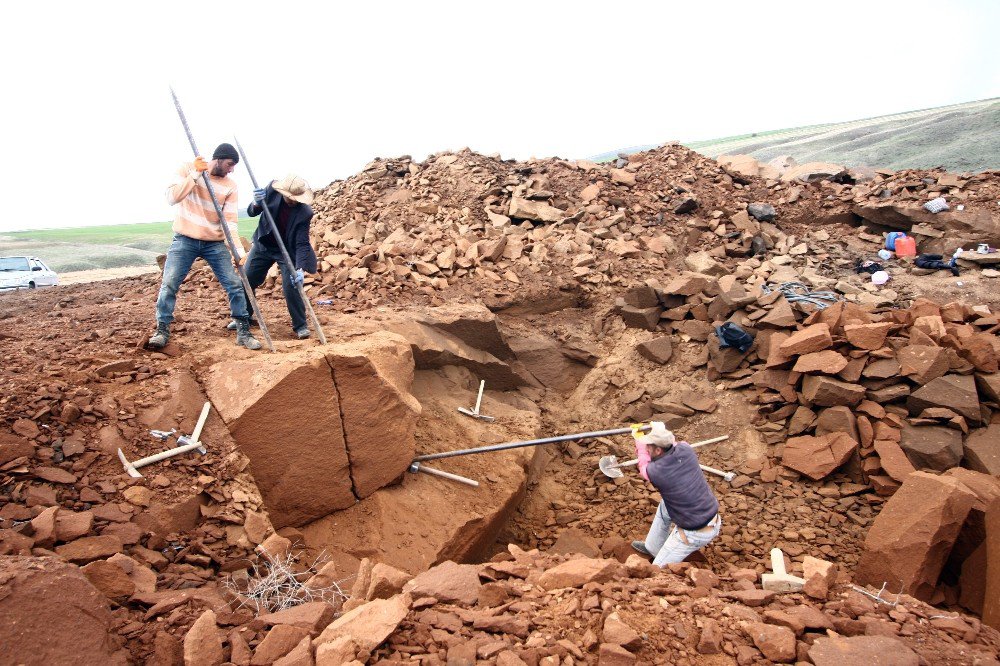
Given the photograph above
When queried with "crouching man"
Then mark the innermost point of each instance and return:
(688, 516)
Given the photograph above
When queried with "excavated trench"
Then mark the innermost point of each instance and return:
(330, 432)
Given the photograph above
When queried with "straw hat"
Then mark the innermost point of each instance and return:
(294, 188)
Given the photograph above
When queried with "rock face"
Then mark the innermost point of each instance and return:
(578, 572)
(923, 363)
(368, 625)
(829, 392)
(982, 450)
(817, 457)
(910, 539)
(434, 348)
(203, 642)
(447, 582)
(932, 447)
(991, 600)
(322, 428)
(810, 339)
(954, 392)
(51, 614)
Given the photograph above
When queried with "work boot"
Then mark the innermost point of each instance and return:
(231, 326)
(303, 332)
(244, 337)
(161, 337)
(640, 547)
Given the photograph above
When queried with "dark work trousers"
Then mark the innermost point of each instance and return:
(258, 263)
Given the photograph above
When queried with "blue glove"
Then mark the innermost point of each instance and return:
(258, 196)
(298, 277)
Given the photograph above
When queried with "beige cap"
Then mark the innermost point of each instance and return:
(294, 188)
(658, 436)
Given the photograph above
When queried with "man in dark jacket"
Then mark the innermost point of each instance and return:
(289, 201)
(688, 515)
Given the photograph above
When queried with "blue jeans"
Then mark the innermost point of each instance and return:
(670, 544)
(182, 253)
(258, 263)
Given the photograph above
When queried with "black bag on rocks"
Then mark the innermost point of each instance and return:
(731, 335)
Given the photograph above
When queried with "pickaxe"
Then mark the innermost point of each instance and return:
(192, 443)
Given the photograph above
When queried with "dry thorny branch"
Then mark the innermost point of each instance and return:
(274, 585)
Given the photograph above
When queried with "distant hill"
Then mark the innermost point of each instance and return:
(960, 137)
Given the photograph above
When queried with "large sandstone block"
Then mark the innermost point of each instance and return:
(931, 447)
(373, 376)
(322, 428)
(910, 539)
(991, 601)
(954, 392)
(51, 614)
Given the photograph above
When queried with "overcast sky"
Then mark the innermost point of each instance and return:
(90, 135)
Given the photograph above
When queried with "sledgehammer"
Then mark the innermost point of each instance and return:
(186, 444)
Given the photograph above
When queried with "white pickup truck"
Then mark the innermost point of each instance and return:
(25, 273)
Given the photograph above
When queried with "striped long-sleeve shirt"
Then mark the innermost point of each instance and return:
(196, 217)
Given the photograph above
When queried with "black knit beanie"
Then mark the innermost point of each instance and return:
(225, 151)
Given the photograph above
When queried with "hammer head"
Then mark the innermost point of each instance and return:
(129, 467)
(184, 440)
(729, 476)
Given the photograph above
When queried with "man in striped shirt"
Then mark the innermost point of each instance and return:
(198, 233)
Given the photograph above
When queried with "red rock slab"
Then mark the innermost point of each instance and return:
(880, 650)
(13, 447)
(982, 450)
(284, 413)
(923, 363)
(88, 549)
(827, 361)
(203, 641)
(817, 457)
(932, 447)
(448, 582)
(909, 541)
(51, 614)
(578, 572)
(54, 474)
(373, 376)
(954, 392)
(828, 392)
(314, 616)
(777, 643)
(991, 603)
(893, 459)
(368, 625)
(867, 336)
(810, 339)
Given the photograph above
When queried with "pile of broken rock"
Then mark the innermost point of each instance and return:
(527, 607)
(874, 397)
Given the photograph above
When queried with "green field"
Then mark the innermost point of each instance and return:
(110, 246)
